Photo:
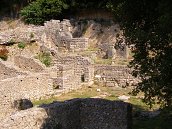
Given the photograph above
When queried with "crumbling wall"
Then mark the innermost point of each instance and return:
(67, 79)
(27, 87)
(73, 71)
(82, 66)
(104, 114)
(78, 44)
(115, 75)
(28, 64)
(73, 114)
(60, 34)
(7, 72)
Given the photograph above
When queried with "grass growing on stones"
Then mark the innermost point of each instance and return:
(94, 91)
(103, 61)
(21, 45)
(45, 58)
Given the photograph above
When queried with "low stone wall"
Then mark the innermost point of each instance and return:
(27, 87)
(7, 72)
(28, 64)
(78, 44)
(114, 75)
(73, 114)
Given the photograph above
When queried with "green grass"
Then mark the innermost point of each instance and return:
(103, 61)
(44, 101)
(45, 58)
(162, 121)
(86, 92)
(21, 45)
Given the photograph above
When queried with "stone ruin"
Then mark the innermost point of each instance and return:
(60, 34)
(114, 76)
(72, 71)
(118, 49)
(73, 114)
(27, 78)
(53, 34)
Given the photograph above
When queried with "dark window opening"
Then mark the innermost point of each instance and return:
(83, 78)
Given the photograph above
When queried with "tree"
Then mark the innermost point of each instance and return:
(12, 7)
(41, 10)
(148, 25)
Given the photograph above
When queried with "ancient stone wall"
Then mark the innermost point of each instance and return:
(104, 114)
(72, 72)
(114, 75)
(28, 64)
(73, 114)
(82, 66)
(7, 72)
(67, 76)
(78, 44)
(60, 33)
(27, 86)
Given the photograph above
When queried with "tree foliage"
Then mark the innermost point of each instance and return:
(41, 10)
(148, 25)
(11, 8)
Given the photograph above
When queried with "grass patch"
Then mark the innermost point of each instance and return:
(21, 45)
(103, 61)
(44, 101)
(120, 62)
(86, 92)
(4, 54)
(45, 58)
(162, 121)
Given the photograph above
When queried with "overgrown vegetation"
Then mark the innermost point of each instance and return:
(4, 54)
(21, 45)
(148, 25)
(45, 58)
(41, 10)
(11, 8)
(103, 61)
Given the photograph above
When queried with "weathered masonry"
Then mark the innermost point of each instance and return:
(73, 114)
(114, 75)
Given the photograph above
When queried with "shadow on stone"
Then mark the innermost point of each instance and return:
(88, 114)
(22, 104)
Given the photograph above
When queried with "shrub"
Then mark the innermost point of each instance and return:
(4, 57)
(45, 58)
(41, 10)
(21, 45)
(4, 54)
